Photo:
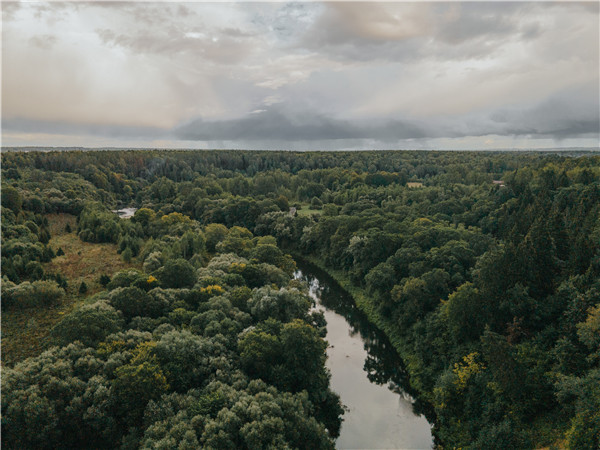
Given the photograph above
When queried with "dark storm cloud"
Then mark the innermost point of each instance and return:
(564, 115)
(278, 123)
(572, 112)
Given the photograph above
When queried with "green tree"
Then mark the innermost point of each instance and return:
(214, 233)
(89, 324)
(176, 273)
(136, 384)
(143, 216)
(132, 302)
(11, 198)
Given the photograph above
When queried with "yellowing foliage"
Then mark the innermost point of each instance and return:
(237, 267)
(174, 218)
(466, 369)
(144, 352)
(213, 289)
(106, 348)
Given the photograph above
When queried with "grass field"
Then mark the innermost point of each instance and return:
(25, 332)
(307, 211)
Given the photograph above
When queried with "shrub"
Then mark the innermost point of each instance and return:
(104, 280)
(27, 295)
(133, 301)
(177, 273)
(89, 324)
(130, 277)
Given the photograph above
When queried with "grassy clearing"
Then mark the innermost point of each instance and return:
(305, 210)
(82, 261)
(25, 332)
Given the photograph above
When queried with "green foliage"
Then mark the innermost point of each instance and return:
(89, 324)
(143, 216)
(214, 233)
(136, 384)
(11, 198)
(316, 203)
(186, 359)
(29, 295)
(252, 416)
(584, 431)
(451, 265)
(127, 255)
(104, 280)
(257, 275)
(282, 304)
(96, 224)
(133, 301)
(465, 313)
(127, 278)
(259, 353)
(176, 273)
(58, 399)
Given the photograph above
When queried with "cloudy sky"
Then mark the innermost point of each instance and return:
(301, 75)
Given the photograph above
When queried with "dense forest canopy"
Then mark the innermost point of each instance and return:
(482, 268)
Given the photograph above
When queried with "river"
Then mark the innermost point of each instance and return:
(366, 372)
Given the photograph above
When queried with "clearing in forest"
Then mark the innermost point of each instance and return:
(25, 332)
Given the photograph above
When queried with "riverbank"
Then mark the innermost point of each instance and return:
(546, 431)
(366, 372)
(364, 303)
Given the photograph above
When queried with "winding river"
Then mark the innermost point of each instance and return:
(366, 372)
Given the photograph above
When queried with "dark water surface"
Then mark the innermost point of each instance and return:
(366, 372)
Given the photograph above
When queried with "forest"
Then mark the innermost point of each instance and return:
(482, 268)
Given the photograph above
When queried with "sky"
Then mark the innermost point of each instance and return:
(301, 76)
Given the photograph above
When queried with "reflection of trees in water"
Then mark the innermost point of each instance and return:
(383, 365)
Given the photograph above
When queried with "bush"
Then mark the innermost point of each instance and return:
(214, 233)
(34, 270)
(283, 304)
(104, 280)
(177, 273)
(133, 301)
(89, 324)
(28, 295)
(11, 198)
(316, 203)
(126, 278)
(97, 224)
(127, 255)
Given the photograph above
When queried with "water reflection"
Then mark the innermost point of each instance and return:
(378, 416)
